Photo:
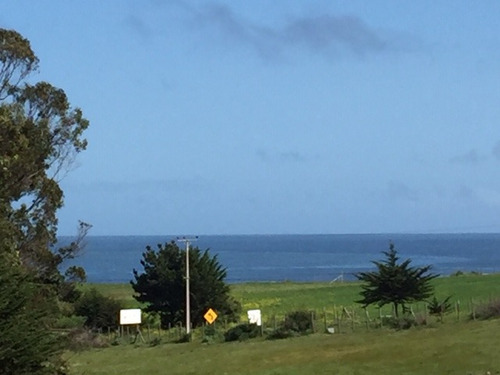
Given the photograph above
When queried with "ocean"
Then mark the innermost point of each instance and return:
(328, 257)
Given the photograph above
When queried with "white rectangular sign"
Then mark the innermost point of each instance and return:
(130, 316)
(254, 317)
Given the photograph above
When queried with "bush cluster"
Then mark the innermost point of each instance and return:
(242, 332)
(296, 323)
(488, 310)
(100, 312)
(399, 323)
(82, 339)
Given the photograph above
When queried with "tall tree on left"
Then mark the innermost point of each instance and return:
(40, 134)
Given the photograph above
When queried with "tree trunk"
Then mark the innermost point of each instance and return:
(396, 312)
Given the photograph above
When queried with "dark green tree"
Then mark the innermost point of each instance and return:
(27, 346)
(395, 283)
(162, 285)
(100, 311)
(40, 134)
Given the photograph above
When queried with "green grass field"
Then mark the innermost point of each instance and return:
(459, 346)
(280, 298)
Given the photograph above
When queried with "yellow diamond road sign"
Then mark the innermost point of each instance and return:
(210, 316)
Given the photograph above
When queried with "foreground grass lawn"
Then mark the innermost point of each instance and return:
(453, 348)
(459, 346)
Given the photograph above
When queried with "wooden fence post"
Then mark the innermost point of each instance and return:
(313, 325)
(473, 309)
(324, 319)
(352, 320)
(339, 321)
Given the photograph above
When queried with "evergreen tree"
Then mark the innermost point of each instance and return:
(27, 346)
(395, 283)
(162, 285)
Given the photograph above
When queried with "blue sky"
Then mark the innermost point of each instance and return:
(259, 117)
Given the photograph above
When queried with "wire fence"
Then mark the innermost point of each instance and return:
(333, 320)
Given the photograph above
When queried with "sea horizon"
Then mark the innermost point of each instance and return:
(298, 257)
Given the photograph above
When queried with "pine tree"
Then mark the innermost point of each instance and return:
(162, 285)
(27, 346)
(395, 283)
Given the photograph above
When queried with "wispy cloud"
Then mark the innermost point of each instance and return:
(400, 190)
(326, 31)
(496, 150)
(281, 156)
(138, 26)
(325, 34)
(479, 195)
(470, 157)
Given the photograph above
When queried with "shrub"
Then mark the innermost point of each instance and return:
(186, 337)
(437, 308)
(487, 310)
(295, 324)
(70, 322)
(282, 333)
(399, 323)
(242, 332)
(101, 312)
(155, 342)
(420, 320)
(299, 321)
(82, 339)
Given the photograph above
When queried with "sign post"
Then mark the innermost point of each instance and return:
(132, 317)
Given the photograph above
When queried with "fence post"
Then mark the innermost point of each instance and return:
(313, 325)
(473, 309)
(339, 320)
(457, 308)
(352, 319)
(324, 319)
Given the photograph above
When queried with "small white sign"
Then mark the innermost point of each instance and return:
(130, 316)
(254, 317)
